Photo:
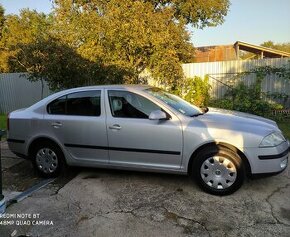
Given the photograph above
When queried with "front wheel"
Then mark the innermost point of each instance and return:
(48, 159)
(218, 171)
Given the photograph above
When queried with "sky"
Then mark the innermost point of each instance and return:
(252, 21)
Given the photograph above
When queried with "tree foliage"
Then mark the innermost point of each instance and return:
(282, 47)
(27, 28)
(198, 13)
(2, 19)
(62, 67)
(106, 41)
(131, 35)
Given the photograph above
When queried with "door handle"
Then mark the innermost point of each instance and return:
(56, 124)
(115, 126)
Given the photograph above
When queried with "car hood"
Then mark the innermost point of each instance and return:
(237, 115)
(236, 128)
(234, 121)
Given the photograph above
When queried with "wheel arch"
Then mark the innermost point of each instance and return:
(42, 139)
(220, 145)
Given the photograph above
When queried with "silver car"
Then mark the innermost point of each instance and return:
(147, 129)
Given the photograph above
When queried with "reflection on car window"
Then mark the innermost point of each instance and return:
(86, 103)
(126, 104)
(175, 102)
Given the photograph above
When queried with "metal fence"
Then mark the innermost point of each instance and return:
(17, 92)
(223, 74)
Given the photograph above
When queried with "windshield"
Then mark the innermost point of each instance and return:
(175, 102)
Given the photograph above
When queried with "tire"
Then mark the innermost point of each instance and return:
(48, 160)
(218, 171)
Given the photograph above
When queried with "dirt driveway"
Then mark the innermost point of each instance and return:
(100, 202)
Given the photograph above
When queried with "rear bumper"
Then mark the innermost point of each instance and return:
(270, 160)
(18, 147)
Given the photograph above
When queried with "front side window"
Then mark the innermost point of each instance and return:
(125, 104)
(86, 103)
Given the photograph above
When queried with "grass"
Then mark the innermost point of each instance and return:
(2, 125)
(285, 127)
(2, 122)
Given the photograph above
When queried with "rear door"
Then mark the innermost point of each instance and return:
(136, 141)
(77, 120)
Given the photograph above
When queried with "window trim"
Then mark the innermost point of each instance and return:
(66, 95)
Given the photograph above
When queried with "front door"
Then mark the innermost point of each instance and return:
(136, 141)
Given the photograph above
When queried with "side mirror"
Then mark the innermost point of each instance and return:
(205, 109)
(158, 115)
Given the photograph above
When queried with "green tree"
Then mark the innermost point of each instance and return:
(3, 62)
(107, 41)
(2, 19)
(198, 13)
(27, 45)
(26, 28)
(134, 35)
(282, 47)
(62, 67)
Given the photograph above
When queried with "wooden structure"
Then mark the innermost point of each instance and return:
(219, 53)
(263, 52)
(215, 53)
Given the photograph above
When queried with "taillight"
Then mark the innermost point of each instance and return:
(7, 122)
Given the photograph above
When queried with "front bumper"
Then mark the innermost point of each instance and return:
(268, 160)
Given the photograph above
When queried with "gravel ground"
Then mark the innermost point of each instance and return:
(96, 202)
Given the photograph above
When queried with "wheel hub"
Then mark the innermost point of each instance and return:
(218, 172)
(46, 160)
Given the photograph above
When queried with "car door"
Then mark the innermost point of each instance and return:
(136, 141)
(77, 121)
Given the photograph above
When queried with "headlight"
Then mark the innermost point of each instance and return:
(274, 139)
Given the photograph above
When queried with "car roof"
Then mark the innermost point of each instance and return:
(79, 89)
(133, 86)
(120, 87)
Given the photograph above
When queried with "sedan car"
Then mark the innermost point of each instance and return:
(146, 129)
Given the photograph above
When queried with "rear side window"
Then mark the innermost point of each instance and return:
(57, 106)
(86, 103)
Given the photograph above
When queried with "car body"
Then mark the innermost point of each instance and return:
(143, 128)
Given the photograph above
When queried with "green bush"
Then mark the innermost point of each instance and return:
(251, 98)
(194, 90)
(246, 99)
(221, 103)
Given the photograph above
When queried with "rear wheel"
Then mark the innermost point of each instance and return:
(48, 159)
(218, 170)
